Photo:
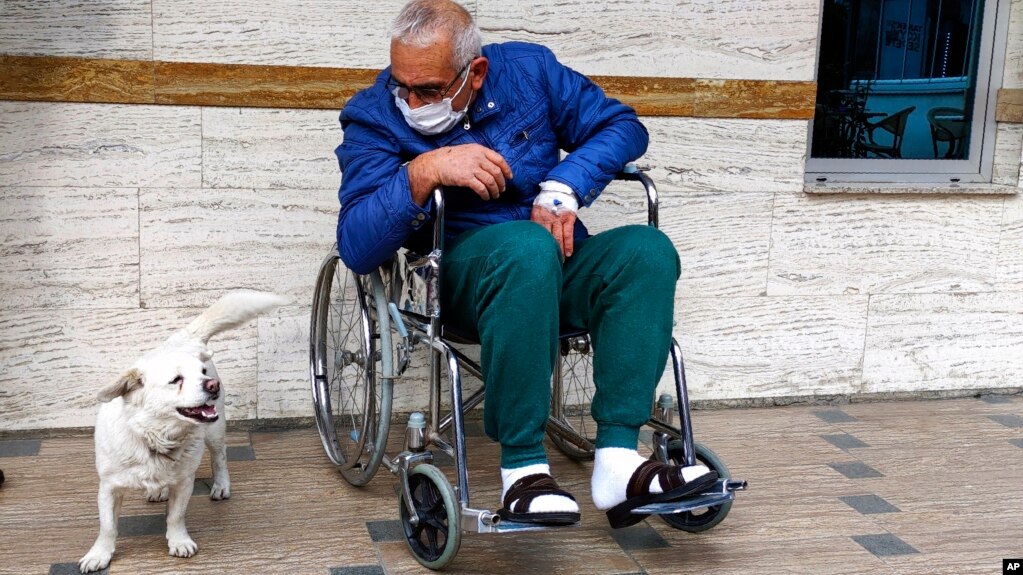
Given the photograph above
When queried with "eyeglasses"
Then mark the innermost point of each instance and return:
(427, 94)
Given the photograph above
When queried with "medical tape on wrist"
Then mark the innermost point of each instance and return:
(557, 201)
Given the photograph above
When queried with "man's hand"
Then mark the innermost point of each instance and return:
(561, 226)
(472, 166)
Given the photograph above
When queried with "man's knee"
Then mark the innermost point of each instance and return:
(526, 246)
(649, 250)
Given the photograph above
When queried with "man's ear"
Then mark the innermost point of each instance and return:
(480, 67)
(129, 380)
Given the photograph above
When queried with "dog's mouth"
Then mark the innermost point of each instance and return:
(201, 413)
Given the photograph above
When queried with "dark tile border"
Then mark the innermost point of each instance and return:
(1017, 442)
(844, 441)
(388, 530)
(137, 525)
(357, 570)
(638, 537)
(1008, 420)
(884, 545)
(240, 453)
(869, 504)
(72, 569)
(995, 399)
(20, 447)
(202, 486)
(856, 470)
(834, 416)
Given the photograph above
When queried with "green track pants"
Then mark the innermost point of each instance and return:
(505, 285)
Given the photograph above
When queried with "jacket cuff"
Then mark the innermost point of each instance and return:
(407, 211)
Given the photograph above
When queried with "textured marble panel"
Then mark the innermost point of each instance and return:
(755, 99)
(52, 363)
(64, 79)
(871, 244)
(1009, 105)
(722, 237)
(68, 247)
(284, 363)
(940, 341)
(97, 145)
(1012, 76)
(260, 86)
(723, 242)
(1010, 250)
(773, 39)
(68, 79)
(245, 147)
(310, 33)
(771, 346)
(735, 155)
(197, 243)
(109, 29)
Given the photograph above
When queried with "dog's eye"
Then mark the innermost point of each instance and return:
(204, 371)
(176, 381)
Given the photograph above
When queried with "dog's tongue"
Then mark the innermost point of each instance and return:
(202, 413)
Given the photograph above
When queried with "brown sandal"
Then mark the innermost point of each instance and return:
(637, 493)
(522, 493)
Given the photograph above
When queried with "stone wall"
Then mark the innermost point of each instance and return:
(122, 221)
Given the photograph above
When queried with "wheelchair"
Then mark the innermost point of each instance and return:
(363, 332)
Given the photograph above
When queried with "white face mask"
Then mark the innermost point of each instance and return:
(436, 118)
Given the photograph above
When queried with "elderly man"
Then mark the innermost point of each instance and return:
(487, 124)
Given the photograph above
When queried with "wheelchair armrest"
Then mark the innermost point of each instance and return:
(630, 173)
(634, 174)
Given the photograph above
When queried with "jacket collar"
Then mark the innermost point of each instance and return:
(489, 101)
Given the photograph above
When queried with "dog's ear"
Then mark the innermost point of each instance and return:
(128, 381)
(205, 354)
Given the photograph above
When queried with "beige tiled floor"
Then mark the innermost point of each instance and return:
(954, 474)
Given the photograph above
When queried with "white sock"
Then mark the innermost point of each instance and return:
(542, 504)
(613, 468)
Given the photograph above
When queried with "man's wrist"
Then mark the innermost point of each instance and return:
(556, 197)
(421, 183)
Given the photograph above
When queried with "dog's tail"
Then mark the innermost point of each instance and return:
(231, 311)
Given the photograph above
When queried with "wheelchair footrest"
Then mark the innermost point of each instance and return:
(483, 521)
(722, 492)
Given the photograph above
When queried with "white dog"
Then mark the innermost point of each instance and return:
(154, 420)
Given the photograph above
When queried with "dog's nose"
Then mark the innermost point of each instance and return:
(212, 386)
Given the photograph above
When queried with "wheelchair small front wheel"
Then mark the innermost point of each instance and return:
(699, 519)
(436, 534)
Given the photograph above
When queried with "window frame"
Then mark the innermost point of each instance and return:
(977, 168)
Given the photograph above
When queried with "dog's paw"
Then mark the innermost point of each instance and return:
(218, 491)
(95, 560)
(182, 547)
(158, 496)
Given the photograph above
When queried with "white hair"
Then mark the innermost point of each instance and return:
(420, 21)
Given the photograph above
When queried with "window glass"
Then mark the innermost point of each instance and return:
(897, 79)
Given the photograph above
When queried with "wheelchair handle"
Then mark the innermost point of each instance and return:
(632, 173)
(438, 226)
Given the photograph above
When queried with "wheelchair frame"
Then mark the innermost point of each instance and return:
(355, 441)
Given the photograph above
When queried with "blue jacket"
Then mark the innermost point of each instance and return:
(529, 108)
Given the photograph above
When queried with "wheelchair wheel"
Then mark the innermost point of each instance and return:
(574, 379)
(352, 411)
(700, 519)
(434, 540)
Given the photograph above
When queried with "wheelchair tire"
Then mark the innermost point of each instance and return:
(434, 541)
(352, 408)
(700, 519)
(575, 398)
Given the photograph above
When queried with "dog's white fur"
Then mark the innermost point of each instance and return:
(144, 442)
